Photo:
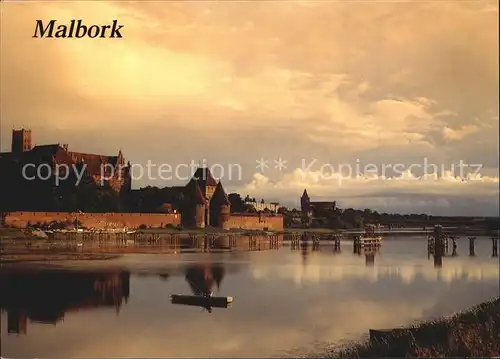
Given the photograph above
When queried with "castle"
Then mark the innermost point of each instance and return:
(201, 203)
(111, 170)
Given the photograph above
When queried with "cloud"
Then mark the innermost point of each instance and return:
(407, 274)
(450, 134)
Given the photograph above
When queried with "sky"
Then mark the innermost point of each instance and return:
(355, 101)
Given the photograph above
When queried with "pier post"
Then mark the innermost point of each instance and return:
(430, 244)
(357, 245)
(336, 243)
(369, 259)
(495, 246)
(206, 243)
(472, 241)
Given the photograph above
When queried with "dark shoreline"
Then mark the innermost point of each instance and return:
(472, 333)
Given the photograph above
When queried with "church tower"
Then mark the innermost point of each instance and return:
(305, 202)
(21, 141)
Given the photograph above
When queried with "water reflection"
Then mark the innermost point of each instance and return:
(46, 296)
(203, 278)
(370, 258)
(305, 249)
(283, 299)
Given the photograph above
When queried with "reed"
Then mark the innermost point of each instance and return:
(472, 333)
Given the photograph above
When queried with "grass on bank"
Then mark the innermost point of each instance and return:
(473, 333)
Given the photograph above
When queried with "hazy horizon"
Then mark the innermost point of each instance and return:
(369, 85)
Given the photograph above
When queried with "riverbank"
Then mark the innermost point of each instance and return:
(54, 257)
(13, 249)
(16, 233)
(472, 333)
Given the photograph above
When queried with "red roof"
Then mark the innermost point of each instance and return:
(220, 197)
(193, 193)
(199, 197)
(204, 177)
(93, 163)
(56, 154)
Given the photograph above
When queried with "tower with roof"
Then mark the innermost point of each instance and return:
(305, 202)
(205, 201)
(220, 207)
(21, 141)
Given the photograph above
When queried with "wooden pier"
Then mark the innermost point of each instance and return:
(438, 245)
(162, 242)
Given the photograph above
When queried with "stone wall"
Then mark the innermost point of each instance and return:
(254, 221)
(94, 220)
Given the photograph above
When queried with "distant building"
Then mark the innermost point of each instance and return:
(262, 205)
(316, 209)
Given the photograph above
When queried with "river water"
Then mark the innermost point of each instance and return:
(286, 302)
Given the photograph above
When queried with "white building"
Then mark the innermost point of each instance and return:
(262, 205)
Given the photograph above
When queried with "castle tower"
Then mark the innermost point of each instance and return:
(200, 206)
(305, 202)
(207, 185)
(220, 207)
(21, 141)
(126, 177)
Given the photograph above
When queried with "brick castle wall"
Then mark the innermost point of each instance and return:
(254, 221)
(94, 220)
(134, 220)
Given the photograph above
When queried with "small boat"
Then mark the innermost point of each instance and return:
(202, 301)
